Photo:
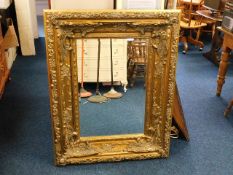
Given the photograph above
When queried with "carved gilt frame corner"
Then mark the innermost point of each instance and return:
(62, 28)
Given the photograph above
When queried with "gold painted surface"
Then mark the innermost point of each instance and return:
(62, 28)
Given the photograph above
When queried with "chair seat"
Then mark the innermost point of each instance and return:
(193, 25)
(139, 60)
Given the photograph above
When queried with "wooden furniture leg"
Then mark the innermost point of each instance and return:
(228, 109)
(189, 39)
(184, 40)
(195, 42)
(223, 66)
(129, 69)
(222, 69)
(5, 79)
(134, 74)
(178, 115)
(213, 30)
(201, 45)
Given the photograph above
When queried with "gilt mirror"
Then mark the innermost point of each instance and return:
(111, 80)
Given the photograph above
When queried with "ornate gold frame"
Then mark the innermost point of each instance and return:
(62, 28)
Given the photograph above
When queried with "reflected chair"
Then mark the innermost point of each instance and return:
(190, 23)
(136, 65)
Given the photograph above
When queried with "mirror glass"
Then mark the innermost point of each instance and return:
(111, 75)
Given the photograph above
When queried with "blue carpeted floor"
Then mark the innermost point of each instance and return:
(119, 116)
(25, 133)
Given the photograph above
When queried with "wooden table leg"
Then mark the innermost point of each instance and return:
(228, 109)
(222, 69)
(184, 40)
(178, 115)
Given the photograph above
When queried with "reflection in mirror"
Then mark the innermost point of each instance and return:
(111, 74)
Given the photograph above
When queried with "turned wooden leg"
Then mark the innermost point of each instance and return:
(133, 77)
(185, 47)
(213, 30)
(198, 34)
(222, 69)
(130, 65)
(228, 109)
(197, 38)
(184, 40)
(195, 42)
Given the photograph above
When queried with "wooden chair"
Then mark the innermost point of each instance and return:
(211, 24)
(190, 22)
(136, 60)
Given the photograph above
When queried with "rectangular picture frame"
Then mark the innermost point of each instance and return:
(62, 28)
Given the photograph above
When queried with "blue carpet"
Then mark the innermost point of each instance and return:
(25, 128)
(116, 116)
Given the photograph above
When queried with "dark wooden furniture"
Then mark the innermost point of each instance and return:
(4, 72)
(6, 14)
(228, 109)
(213, 54)
(169, 4)
(137, 55)
(49, 3)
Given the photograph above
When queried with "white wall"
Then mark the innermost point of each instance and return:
(40, 6)
(140, 4)
(82, 4)
(26, 25)
(34, 19)
(4, 4)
